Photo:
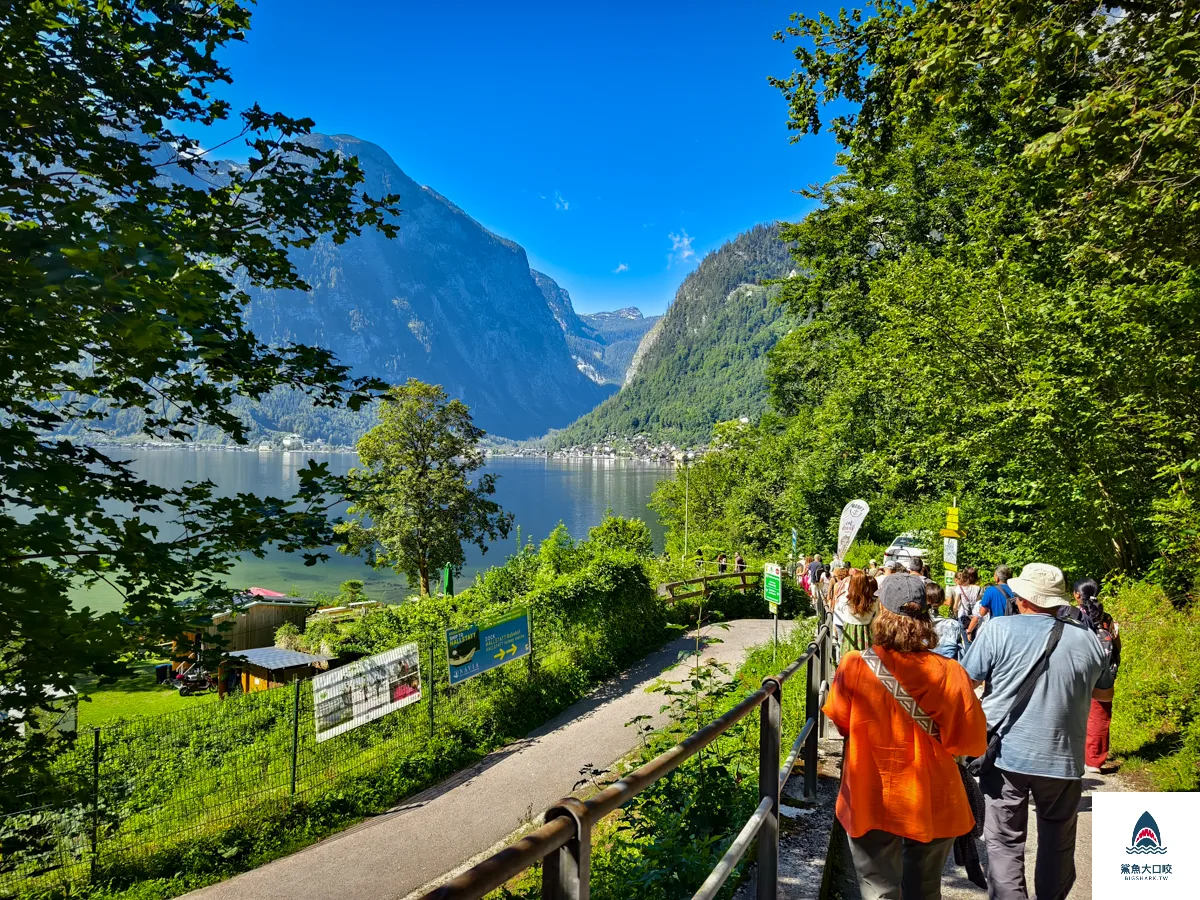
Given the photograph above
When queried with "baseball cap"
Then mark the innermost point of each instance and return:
(899, 590)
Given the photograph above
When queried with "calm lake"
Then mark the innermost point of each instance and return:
(539, 492)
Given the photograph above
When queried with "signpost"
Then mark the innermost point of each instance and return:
(773, 592)
(950, 534)
(488, 644)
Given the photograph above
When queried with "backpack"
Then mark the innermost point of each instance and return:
(1112, 655)
(1010, 607)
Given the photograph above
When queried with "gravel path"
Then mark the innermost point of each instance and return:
(433, 833)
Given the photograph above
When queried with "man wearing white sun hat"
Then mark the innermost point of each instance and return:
(1041, 674)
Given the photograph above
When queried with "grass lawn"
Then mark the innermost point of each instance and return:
(137, 695)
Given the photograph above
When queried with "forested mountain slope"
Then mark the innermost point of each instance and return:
(704, 361)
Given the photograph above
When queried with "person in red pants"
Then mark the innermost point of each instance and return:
(1095, 753)
(1108, 633)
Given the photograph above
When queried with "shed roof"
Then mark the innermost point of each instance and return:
(276, 659)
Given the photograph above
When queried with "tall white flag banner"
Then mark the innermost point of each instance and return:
(852, 518)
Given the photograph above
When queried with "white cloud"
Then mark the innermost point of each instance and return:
(560, 203)
(621, 267)
(681, 247)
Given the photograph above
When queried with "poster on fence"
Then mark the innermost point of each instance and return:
(485, 645)
(366, 690)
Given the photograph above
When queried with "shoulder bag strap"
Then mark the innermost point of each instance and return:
(904, 698)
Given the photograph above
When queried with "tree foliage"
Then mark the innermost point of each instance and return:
(125, 257)
(1001, 287)
(413, 502)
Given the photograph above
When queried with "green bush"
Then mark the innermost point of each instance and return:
(193, 797)
(1156, 710)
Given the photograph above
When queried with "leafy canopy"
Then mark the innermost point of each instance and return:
(125, 255)
(414, 503)
(999, 290)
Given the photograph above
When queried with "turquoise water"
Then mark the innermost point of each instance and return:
(539, 492)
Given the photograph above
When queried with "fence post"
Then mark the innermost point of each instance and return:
(531, 645)
(826, 650)
(768, 786)
(432, 687)
(811, 709)
(95, 799)
(567, 872)
(295, 733)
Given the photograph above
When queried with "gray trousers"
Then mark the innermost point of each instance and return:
(890, 867)
(1006, 797)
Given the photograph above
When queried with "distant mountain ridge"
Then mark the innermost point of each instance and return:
(602, 344)
(705, 360)
(448, 302)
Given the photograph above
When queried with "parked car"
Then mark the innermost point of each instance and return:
(905, 546)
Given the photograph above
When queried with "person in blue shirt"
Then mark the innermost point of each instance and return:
(993, 603)
(1041, 753)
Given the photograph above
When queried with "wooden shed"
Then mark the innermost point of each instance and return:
(250, 622)
(263, 668)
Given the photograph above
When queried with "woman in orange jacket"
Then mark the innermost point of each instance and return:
(902, 800)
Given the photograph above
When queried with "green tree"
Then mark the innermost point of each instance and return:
(413, 503)
(999, 290)
(126, 251)
(618, 533)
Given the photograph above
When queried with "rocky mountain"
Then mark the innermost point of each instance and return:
(602, 344)
(447, 302)
(705, 360)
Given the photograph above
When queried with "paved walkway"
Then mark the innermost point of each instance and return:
(954, 882)
(433, 833)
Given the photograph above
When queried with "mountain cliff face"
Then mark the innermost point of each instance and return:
(447, 302)
(602, 344)
(705, 361)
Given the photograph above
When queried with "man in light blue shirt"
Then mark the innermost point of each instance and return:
(1041, 751)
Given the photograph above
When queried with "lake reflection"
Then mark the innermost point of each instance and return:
(539, 492)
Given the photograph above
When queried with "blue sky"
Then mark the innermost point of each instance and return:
(616, 142)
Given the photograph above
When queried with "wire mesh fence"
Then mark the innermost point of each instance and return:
(128, 791)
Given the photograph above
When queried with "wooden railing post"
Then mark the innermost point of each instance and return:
(768, 786)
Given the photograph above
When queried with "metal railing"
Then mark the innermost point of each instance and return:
(564, 842)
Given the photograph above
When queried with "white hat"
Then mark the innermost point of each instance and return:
(1042, 585)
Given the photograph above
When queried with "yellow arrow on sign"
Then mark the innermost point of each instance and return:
(511, 651)
(499, 655)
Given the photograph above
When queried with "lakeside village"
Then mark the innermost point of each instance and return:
(638, 447)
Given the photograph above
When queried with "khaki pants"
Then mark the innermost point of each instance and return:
(890, 867)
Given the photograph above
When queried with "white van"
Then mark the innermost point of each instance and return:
(905, 547)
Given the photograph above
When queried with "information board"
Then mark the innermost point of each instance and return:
(485, 645)
(365, 690)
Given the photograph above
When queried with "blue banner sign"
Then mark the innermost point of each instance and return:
(487, 644)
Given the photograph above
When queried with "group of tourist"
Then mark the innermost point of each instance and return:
(722, 562)
(1016, 677)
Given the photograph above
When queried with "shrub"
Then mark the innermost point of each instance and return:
(1156, 710)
